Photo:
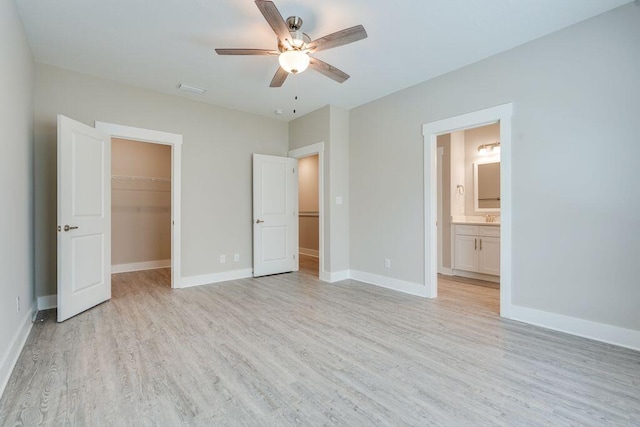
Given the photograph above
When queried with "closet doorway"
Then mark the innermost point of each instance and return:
(314, 211)
(146, 199)
(140, 206)
(308, 214)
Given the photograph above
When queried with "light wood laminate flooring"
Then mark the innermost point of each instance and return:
(290, 350)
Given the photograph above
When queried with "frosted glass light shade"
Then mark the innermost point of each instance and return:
(294, 61)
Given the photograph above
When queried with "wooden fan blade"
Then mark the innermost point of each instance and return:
(279, 78)
(246, 52)
(328, 70)
(346, 36)
(275, 20)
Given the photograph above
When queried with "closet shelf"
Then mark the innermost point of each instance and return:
(309, 213)
(139, 178)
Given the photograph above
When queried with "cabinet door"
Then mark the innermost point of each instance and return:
(489, 255)
(466, 256)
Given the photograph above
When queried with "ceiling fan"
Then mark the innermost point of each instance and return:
(295, 47)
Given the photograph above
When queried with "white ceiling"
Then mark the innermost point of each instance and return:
(157, 44)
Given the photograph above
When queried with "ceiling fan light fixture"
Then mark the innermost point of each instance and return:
(294, 61)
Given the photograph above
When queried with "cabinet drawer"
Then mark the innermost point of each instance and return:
(466, 230)
(489, 231)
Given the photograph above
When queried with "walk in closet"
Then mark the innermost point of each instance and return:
(140, 205)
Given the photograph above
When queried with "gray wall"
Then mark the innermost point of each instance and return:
(576, 234)
(16, 181)
(216, 163)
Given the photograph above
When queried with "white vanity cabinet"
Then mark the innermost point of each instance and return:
(477, 249)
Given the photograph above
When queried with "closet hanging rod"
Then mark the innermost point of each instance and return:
(139, 178)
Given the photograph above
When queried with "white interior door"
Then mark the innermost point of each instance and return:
(275, 215)
(84, 217)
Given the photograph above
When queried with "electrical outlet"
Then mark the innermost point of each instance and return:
(17, 304)
(236, 257)
(387, 263)
(223, 259)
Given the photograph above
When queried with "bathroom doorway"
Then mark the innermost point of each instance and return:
(469, 235)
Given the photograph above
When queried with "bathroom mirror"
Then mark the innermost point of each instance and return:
(486, 178)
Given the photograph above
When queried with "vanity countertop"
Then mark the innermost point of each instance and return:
(493, 224)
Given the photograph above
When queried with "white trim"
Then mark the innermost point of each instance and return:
(47, 302)
(439, 214)
(175, 141)
(583, 328)
(447, 271)
(430, 131)
(207, 279)
(10, 357)
(308, 252)
(474, 275)
(336, 276)
(140, 266)
(306, 151)
(389, 283)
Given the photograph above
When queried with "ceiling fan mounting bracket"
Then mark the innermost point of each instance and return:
(294, 23)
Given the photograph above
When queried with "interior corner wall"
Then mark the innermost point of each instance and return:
(339, 188)
(575, 228)
(310, 129)
(16, 188)
(330, 124)
(216, 163)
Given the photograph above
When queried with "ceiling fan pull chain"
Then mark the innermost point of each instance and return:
(295, 90)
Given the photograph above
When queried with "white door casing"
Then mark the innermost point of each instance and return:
(430, 132)
(275, 215)
(84, 217)
(175, 142)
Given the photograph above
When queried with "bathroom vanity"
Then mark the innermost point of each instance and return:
(476, 250)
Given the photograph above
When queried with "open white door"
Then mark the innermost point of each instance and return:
(84, 217)
(275, 215)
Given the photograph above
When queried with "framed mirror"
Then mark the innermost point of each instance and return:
(486, 180)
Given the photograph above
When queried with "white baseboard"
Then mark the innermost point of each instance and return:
(206, 279)
(309, 252)
(583, 328)
(10, 356)
(47, 302)
(336, 276)
(140, 266)
(479, 276)
(446, 271)
(390, 283)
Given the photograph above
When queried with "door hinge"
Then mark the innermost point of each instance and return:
(294, 257)
(293, 170)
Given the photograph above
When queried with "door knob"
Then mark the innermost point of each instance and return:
(259, 221)
(67, 228)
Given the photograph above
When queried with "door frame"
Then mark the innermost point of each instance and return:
(430, 131)
(175, 141)
(306, 151)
